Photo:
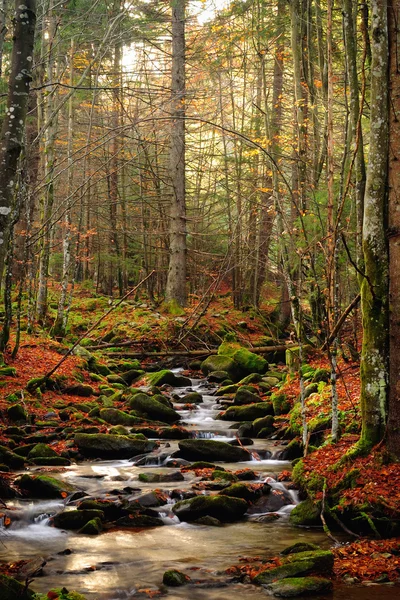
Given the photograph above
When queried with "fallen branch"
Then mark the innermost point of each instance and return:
(324, 524)
(47, 376)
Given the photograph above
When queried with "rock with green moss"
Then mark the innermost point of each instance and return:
(263, 427)
(119, 430)
(223, 508)
(248, 362)
(92, 527)
(41, 451)
(17, 414)
(293, 450)
(244, 396)
(174, 578)
(280, 403)
(9, 458)
(319, 562)
(305, 514)
(139, 520)
(50, 461)
(322, 375)
(218, 376)
(206, 450)
(221, 363)
(252, 378)
(62, 594)
(79, 389)
(227, 389)
(249, 412)
(8, 372)
(43, 486)
(118, 417)
(299, 586)
(76, 519)
(192, 398)
(223, 475)
(131, 375)
(151, 408)
(165, 376)
(11, 589)
(241, 490)
(105, 445)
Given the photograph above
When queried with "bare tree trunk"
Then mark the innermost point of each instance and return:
(13, 128)
(175, 292)
(393, 426)
(374, 288)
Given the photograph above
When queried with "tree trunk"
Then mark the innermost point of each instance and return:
(374, 288)
(393, 426)
(175, 292)
(13, 128)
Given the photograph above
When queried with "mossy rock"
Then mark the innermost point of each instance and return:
(221, 363)
(153, 409)
(174, 578)
(9, 458)
(118, 417)
(322, 375)
(300, 586)
(165, 376)
(319, 562)
(252, 378)
(319, 423)
(249, 412)
(292, 356)
(223, 475)
(192, 398)
(241, 490)
(139, 520)
(247, 361)
(293, 450)
(104, 445)
(311, 388)
(11, 589)
(244, 396)
(270, 382)
(305, 514)
(76, 519)
(223, 508)
(227, 389)
(62, 594)
(205, 450)
(41, 450)
(218, 376)
(43, 486)
(119, 430)
(113, 378)
(264, 426)
(17, 414)
(8, 372)
(92, 527)
(79, 389)
(280, 403)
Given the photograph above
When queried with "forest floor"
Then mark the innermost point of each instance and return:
(376, 480)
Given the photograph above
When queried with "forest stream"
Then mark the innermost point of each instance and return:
(119, 563)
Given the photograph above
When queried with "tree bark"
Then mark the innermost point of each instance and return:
(13, 128)
(176, 281)
(374, 288)
(393, 426)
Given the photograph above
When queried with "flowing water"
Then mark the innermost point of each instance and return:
(118, 564)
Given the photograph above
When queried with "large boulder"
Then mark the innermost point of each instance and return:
(248, 362)
(305, 514)
(210, 450)
(118, 417)
(319, 562)
(104, 445)
(152, 409)
(249, 412)
(299, 586)
(12, 460)
(223, 508)
(221, 363)
(76, 519)
(161, 377)
(241, 490)
(245, 396)
(42, 486)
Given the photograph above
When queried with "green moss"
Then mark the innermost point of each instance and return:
(224, 475)
(174, 578)
(305, 514)
(280, 403)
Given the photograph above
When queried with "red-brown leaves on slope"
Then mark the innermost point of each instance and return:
(368, 559)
